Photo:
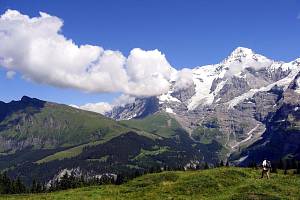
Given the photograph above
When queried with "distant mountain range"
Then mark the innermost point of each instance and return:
(241, 110)
(234, 103)
(39, 140)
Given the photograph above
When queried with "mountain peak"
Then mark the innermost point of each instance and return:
(26, 99)
(32, 101)
(296, 62)
(239, 53)
(242, 50)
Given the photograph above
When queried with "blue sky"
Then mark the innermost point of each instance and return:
(189, 33)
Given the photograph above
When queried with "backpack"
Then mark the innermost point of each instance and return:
(268, 164)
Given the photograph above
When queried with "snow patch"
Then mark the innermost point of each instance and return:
(130, 117)
(170, 110)
(242, 159)
(203, 78)
(297, 90)
(167, 98)
(242, 58)
(250, 135)
(281, 83)
(234, 65)
(219, 87)
(252, 130)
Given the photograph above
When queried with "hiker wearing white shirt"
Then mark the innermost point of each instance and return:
(266, 168)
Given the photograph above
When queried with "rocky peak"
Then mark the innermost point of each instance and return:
(242, 51)
(26, 99)
(239, 53)
(32, 101)
(14, 106)
(296, 62)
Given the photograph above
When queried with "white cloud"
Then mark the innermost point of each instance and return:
(149, 72)
(123, 100)
(101, 107)
(184, 79)
(242, 58)
(10, 74)
(36, 48)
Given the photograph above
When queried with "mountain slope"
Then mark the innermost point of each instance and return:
(243, 108)
(160, 124)
(126, 154)
(40, 140)
(229, 102)
(282, 136)
(220, 183)
(39, 124)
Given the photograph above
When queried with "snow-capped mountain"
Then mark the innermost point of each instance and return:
(229, 102)
(282, 136)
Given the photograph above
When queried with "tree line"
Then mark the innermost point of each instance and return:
(11, 186)
(282, 164)
(68, 181)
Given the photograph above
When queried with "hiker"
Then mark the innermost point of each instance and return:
(266, 168)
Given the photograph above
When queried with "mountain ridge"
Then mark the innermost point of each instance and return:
(229, 113)
(237, 95)
(38, 136)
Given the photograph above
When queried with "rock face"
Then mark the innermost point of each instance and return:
(142, 107)
(230, 102)
(282, 136)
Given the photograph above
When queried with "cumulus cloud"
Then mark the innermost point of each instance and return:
(10, 74)
(148, 71)
(184, 79)
(123, 100)
(36, 48)
(101, 107)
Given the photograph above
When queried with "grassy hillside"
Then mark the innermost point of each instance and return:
(35, 124)
(41, 138)
(160, 124)
(219, 183)
(77, 150)
(50, 125)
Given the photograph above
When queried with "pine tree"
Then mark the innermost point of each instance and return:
(20, 187)
(227, 164)
(82, 181)
(221, 163)
(120, 179)
(33, 188)
(206, 165)
(13, 187)
(7, 184)
(298, 168)
(38, 187)
(293, 164)
(280, 165)
(274, 169)
(64, 183)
